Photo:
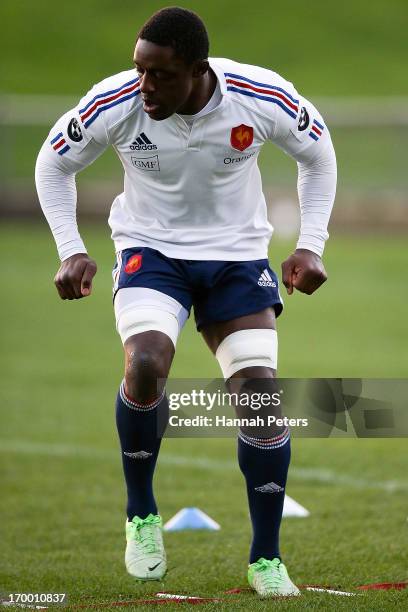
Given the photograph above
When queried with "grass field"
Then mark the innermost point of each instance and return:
(63, 498)
(62, 489)
(356, 48)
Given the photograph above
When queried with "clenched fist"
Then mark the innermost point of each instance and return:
(74, 278)
(304, 271)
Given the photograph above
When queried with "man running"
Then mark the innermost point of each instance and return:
(190, 230)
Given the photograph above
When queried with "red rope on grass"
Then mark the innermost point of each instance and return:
(386, 586)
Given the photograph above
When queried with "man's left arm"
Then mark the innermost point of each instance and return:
(308, 141)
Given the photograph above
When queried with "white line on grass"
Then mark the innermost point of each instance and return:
(320, 475)
(331, 591)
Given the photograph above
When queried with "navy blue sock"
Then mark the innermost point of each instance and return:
(140, 429)
(265, 463)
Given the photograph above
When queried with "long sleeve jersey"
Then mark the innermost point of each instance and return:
(191, 191)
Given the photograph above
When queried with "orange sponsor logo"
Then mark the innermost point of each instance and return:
(242, 136)
(133, 264)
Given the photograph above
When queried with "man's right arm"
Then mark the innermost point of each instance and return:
(68, 149)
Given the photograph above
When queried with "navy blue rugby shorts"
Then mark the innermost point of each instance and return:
(218, 290)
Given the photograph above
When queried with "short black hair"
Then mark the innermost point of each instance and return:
(179, 28)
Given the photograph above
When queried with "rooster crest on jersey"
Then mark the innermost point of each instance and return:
(134, 264)
(242, 136)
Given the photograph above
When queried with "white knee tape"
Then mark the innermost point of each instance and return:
(139, 319)
(247, 348)
(140, 309)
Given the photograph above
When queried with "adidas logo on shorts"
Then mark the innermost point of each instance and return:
(142, 143)
(266, 280)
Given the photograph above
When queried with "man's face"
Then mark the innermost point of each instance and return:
(166, 82)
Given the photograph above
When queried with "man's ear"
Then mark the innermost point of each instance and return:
(200, 68)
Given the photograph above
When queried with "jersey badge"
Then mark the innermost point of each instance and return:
(134, 264)
(303, 119)
(74, 130)
(242, 136)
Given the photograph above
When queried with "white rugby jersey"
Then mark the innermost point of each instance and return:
(191, 192)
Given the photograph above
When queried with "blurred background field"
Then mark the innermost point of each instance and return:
(349, 59)
(61, 363)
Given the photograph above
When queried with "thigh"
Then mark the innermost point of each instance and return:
(149, 323)
(215, 333)
(152, 303)
(254, 376)
(141, 309)
(150, 293)
(236, 293)
(149, 269)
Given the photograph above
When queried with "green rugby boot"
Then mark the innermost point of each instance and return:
(270, 578)
(145, 557)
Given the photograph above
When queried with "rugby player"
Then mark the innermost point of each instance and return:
(191, 230)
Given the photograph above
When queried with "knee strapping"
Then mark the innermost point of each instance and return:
(140, 309)
(248, 348)
(139, 319)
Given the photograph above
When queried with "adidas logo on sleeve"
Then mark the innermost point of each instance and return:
(266, 280)
(142, 143)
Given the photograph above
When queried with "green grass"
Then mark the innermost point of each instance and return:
(354, 48)
(62, 488)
